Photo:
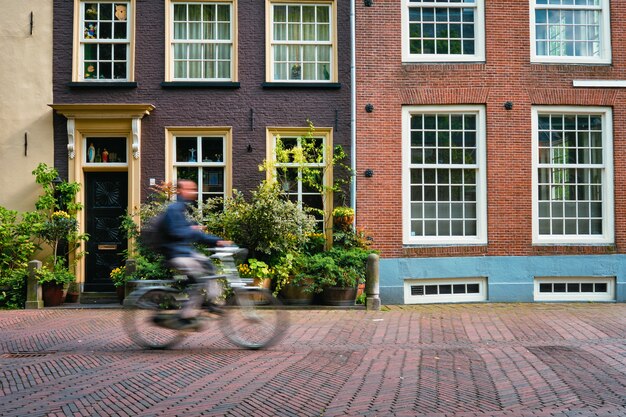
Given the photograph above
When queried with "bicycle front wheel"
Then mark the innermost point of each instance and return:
(148, 310)
(253, 318)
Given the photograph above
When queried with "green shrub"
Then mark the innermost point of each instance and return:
(57, 273)
(337, 267)
(13, 288)
(16, 249)
(268, 224)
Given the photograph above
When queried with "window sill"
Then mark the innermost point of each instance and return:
(102, 84)
(408, 245)
(200, 84)
(329, 86)
(554, 62)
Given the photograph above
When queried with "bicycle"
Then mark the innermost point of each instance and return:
(251, 317)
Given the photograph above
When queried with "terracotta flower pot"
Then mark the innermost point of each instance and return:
(121, 293)
(71, 297)
(343, 222)
(52, 294)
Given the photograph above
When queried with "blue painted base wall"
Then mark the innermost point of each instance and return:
(509, 278)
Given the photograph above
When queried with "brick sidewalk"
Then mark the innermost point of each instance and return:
(448, 360)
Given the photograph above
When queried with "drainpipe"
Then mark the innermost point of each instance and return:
(353, 106)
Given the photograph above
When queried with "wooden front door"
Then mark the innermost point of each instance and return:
(106, 197)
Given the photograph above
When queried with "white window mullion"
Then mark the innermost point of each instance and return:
(444, 195)
(572, 201)
(563, 33)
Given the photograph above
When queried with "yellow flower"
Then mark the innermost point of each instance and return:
(60, 214)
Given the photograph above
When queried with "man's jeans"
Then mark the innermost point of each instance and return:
(195, 268)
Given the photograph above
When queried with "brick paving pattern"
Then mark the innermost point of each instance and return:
(472, 360)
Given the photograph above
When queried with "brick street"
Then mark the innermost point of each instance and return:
(469, 360)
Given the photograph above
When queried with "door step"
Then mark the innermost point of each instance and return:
(99, 298)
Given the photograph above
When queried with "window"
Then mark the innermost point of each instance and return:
(301, 162)
(111, 151)
(201, 46)
(444, 184)
(575, 31)
(461, 290)
(443, 30)
(574, 289)
(302, 42)
(572, 175)
(202, 156)
(104, 38)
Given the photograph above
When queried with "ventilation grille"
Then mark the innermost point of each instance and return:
(575, 289)
(444, 290)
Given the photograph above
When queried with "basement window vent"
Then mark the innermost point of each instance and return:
(575, 289)
(445, 290)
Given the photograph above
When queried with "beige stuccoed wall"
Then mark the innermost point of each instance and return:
(25, 92)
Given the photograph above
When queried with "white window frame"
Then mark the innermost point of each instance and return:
(607, 237)
(479, 34)
(80, 41)
(170, 41)
(605, 35)
(332, 42)
(575, 296)
(481, 176)
(480, 296)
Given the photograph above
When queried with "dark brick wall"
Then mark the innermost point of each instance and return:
(507, 75)
(212, 106)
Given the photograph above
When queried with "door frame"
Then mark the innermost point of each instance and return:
(121, 120)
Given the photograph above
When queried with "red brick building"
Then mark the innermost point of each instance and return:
(490, 140)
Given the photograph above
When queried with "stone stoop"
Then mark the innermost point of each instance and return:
(98, 298)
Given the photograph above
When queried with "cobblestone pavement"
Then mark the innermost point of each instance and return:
(470, 360)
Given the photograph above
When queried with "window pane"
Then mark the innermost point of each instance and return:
(431, 138)
(569, 144)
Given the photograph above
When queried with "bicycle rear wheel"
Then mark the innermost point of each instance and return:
(253, 318)
(141, 317)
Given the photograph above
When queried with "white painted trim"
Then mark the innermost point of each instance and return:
(608, 194)
(71, 148)
(479, 36)
(600, 83)
(572, 296)
(481, 177)
(136, 136)
(445, 298)
(605, 38)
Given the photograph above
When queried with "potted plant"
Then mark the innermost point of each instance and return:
(257, 270)
(120, 278)
(53, 279)
(57, 226)
(335, 274)
(292, 289)
(343, 217)
(72, 292)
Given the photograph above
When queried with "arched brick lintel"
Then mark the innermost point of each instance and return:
(573, 97)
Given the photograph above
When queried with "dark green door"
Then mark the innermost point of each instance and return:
(106, 196)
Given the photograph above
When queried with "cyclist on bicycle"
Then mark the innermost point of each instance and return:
(180, 254)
